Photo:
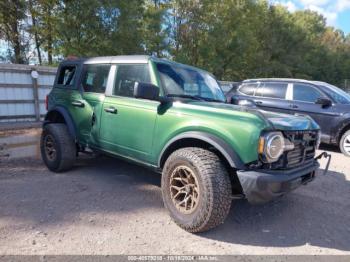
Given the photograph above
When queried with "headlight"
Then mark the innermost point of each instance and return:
(271, 146)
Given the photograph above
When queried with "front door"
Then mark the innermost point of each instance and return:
(304, 102)
(127, 123)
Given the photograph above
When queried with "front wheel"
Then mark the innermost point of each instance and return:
(58, 149)
(344, 144)
(196, 189)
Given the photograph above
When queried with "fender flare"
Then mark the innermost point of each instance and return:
(227, 151)
(67, 118)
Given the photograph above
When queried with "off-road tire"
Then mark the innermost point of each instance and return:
(214, 184)
(64, 145)
(346, 152)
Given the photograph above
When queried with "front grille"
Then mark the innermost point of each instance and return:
(303, 153)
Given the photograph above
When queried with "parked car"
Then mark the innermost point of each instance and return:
(328, 105)
(173, 118)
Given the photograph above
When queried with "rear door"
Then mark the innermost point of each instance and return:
(67, 94)
(79, 88)
(246, 91)
(272, 96)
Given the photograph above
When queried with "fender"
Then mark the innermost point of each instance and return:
(67, 119)
(337, 131)
(227, 151)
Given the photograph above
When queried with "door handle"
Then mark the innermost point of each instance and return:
(258, 102)
(293, 106)
(78, 103)
(111, 110)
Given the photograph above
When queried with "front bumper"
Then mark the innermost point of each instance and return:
(261, 186)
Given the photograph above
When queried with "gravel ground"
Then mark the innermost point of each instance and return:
(106, 206)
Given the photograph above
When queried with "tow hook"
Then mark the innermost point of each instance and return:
(325, 155)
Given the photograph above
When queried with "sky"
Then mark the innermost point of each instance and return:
(337, 12)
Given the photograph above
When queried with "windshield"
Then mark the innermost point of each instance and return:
(339, 96)
(180, 81)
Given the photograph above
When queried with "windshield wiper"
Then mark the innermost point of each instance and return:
(201, 98)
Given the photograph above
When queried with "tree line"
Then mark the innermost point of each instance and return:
(234, 39)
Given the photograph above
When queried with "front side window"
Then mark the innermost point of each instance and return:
(180, 81)
(126, 77)
(66, 76)
(95, 78)
(273, 90)
(248, 89)
(305, 93)
(338, 95)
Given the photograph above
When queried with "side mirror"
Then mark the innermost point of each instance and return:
(324, 102)
(146, 91)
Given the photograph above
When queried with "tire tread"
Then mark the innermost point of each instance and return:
(66, 144)
(217, 183)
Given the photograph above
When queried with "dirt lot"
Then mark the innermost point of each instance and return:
(105, 206)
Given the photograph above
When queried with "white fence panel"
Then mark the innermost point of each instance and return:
(17, 96)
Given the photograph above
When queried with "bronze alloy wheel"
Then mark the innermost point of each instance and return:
(196, 189)
(184, 189)
(50, 150)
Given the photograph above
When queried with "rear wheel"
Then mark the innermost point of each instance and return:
(345, 143)
(58, 149)
(196, 189)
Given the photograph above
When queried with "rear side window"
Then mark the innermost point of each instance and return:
(273, 90)
(305, 93)
(95, 78)
(248, 89)
(66, 76)
(126, 77)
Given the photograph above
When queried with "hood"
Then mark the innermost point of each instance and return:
(277, 121)
(289, 122)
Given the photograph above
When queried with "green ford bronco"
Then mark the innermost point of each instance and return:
(173, 118)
